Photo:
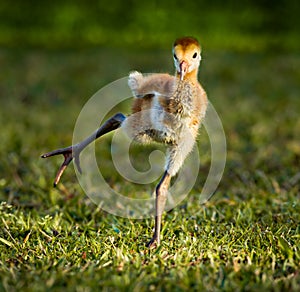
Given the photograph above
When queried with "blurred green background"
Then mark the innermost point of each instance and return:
(234, 25)
(55, 55)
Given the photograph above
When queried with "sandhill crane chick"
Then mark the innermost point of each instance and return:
(166, 109)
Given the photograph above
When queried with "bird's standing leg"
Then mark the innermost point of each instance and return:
(74, 151)
(175, 158)
(161, 197)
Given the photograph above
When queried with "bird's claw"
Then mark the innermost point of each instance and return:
(69, 153)
(153, 243)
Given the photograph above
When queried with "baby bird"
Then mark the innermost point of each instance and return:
(166, 109)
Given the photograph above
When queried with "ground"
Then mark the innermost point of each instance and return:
(245, 238)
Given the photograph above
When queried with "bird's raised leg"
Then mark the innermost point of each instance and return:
(161, 197)
(74, 151)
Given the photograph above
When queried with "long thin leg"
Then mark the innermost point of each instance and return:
(74, 151)
(161, 197)
(175, 157)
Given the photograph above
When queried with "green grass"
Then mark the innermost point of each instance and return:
(246, 238)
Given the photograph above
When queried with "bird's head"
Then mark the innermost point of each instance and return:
(187, 56)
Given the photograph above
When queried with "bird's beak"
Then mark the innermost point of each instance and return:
(183, 69)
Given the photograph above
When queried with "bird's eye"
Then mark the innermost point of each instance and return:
(175, 57)
(195, 55)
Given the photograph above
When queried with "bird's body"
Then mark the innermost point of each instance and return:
(183, 104)
(166, 109)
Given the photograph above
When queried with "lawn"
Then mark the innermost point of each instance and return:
(246, 238)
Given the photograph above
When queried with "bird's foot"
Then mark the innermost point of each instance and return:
(154, 242)
(69, 153)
